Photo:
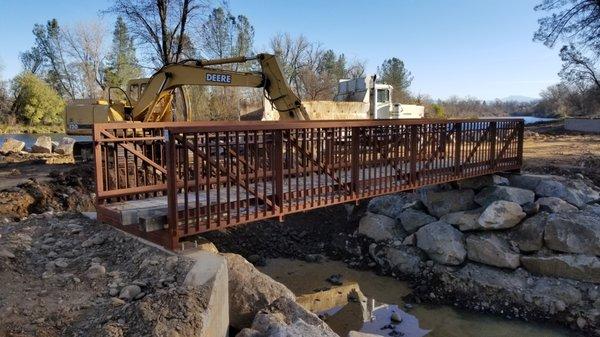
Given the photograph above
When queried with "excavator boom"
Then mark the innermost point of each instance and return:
(152, 99)
(161, 84)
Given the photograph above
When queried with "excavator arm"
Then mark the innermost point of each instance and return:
(154, 103)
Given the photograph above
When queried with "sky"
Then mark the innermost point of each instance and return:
(476, 48)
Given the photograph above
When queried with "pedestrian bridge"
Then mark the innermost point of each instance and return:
(167, 181)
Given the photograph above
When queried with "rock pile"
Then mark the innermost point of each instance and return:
(534, 238)
(43, 144)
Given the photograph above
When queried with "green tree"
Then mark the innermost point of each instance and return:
(36, 102)
(226, 35)
(334, 64)
(393, 72)
(438, 111)
(122, 61)
(49, 47)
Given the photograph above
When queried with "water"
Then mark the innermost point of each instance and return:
(379, 296)
(30, 138)
(528, 119)
(531, 119)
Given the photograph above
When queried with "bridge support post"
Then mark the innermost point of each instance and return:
(521, 132)
(457, 148)
(492, 164)
(278, 171)
(414, 148)
(355, 160)
(172, 191)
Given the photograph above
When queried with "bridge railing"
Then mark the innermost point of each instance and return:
(212, 175)
(130, 161)
(221, 174)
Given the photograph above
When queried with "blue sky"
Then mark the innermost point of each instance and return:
(479, 48)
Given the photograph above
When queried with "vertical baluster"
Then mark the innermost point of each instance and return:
(186, 169)
(227, 155)
(237, 176)
(207, 160)
(256, 176)
(196, 176)
(247, 169)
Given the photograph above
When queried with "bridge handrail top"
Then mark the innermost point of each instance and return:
(208, 126)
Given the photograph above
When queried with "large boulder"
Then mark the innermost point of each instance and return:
(573, 232)
(528, 181)
(65, 146)
(440, 203)
(380, 227)
(43, 144)
(390, 205)
(574, 266)
(575, 192)
(412, 219)
(404, 259)
(477, 183)
(442, 243)
(501, 214)
(491, 278)
(529, 235)
(250, 291)
(554, 205)
(464, 220)
(495, 193)
(593, 208)
(12, 145)
(286, 318)
(489, 248)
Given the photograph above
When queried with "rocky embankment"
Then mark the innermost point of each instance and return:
(521, 246)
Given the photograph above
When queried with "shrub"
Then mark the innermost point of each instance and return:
(36, 102)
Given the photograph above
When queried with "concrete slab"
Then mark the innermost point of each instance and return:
(210, 270)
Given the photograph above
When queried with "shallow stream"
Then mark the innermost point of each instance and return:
(383, 296)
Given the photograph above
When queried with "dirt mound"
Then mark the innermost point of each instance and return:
(67, 190)
(70, 276)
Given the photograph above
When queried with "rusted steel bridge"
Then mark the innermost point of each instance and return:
(167, 181)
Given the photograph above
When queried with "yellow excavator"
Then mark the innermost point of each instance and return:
(152, 99)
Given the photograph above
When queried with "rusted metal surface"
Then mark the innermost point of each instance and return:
(212, 175)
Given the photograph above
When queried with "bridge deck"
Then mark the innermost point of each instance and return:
(166, 181)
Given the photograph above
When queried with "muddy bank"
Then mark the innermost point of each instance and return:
(300, 236)
(31, 185)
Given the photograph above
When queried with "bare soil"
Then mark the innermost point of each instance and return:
(29, 185)
(65, 275)
(550, 149)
